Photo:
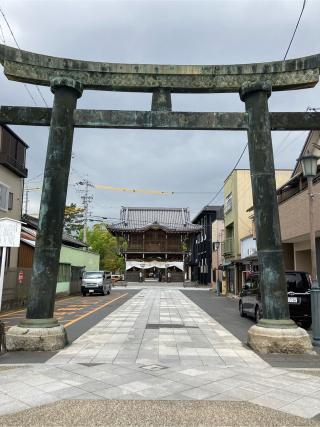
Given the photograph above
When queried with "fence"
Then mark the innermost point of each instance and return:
(15, 290)
(17, 280)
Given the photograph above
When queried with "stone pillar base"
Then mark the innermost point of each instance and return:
(279, 340)
(35, 339)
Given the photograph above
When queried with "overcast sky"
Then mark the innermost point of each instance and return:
(175, 32)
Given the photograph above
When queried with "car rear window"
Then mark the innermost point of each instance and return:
(297, 282)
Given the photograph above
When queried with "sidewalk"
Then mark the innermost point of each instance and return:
(159, 345)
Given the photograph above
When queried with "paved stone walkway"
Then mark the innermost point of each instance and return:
(159, 345)
(159, 326)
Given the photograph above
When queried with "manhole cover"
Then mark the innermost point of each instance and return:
(153, 367)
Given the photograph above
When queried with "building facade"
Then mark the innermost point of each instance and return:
(12, 173)
(202, 248)
(157, 242)
(238, 225)
(293, 201)
(74, 259)
(218, 275)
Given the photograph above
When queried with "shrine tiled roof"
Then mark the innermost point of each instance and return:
(168, 219)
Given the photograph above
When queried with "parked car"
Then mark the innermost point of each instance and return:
(96, 282)
(116, 277)
(298, 285)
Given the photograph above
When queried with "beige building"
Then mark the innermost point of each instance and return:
(12, 174)
(217, 260)
(238, 225)
(293, 200)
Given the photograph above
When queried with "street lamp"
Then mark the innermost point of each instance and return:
(309, 170)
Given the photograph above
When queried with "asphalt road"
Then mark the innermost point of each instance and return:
(77, 314)
(225, 311)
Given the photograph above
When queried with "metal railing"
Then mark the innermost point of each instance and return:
(227, 246)
(10, 161)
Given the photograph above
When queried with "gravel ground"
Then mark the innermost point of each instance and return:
(152, 413)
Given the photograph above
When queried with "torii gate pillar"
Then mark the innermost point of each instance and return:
(40, 330)
(275, 332)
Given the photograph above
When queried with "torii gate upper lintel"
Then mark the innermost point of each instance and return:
(39, 69)
(68, 78)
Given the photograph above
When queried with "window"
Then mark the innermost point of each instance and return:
(228, 203)
(10, 202)
(4, 197)
(297, 282)
(91, 274)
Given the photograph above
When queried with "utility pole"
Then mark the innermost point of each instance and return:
(86, 200)
(26, 200)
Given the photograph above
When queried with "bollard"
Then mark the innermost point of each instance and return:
(2, 338)
(219, 287)
(315, 310)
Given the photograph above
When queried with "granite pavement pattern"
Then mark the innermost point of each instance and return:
(159, 326)
(160, 346)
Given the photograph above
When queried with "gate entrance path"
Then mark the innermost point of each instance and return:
(68, 79)
(159, 345)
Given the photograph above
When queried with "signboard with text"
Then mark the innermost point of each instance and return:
(10, 230)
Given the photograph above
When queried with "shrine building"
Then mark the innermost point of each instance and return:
(157, 242)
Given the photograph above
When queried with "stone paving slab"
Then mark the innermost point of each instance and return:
(122, 337)
(120, 358)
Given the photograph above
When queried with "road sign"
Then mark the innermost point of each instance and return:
(20, 277)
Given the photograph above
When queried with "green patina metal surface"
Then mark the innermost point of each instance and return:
(42, 289)
(41, 69)
(273, 284)
(38, 116)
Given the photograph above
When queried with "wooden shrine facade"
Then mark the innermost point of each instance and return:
(157, 242)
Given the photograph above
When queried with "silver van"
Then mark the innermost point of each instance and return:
(96, 282)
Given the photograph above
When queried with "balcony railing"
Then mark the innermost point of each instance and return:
(227, 246)
(10, 162)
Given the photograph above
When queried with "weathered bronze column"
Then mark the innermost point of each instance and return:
(270, 256)
(161, 100)
(275, 332)
(42, 290)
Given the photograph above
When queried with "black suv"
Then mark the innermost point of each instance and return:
(298, 285)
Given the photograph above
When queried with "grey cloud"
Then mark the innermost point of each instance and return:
(177, 32)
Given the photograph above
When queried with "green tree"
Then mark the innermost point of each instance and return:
(108, 246)
(73, 219)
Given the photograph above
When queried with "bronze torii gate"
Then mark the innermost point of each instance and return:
(68, 78)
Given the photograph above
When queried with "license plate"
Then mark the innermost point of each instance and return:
(91, 290)
(292, 299)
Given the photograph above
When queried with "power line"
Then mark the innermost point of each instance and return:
(281, 148)
(295, 30)
(17, 44)
(2, 34)
(222, 187)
